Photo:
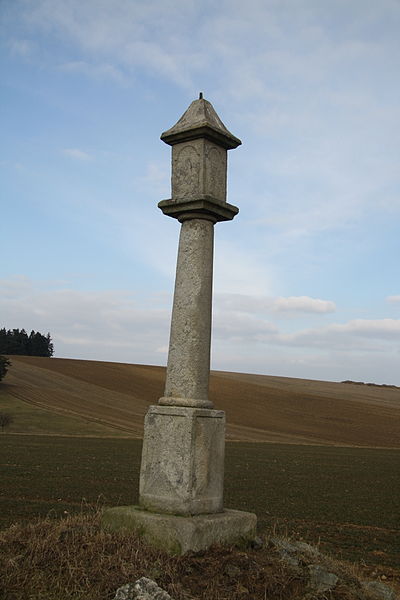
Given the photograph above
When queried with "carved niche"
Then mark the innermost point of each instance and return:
(198, 169)
(186, 171)
(215, 171)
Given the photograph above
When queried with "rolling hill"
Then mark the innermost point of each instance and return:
(65, 396)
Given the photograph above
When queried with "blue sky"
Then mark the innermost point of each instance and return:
(306, 280)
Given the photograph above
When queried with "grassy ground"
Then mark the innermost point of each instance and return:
(346, 498)
(349, 498)
(31, 419)
(74, 559)
(58, 459)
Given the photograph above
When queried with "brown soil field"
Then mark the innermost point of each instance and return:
(258, 407)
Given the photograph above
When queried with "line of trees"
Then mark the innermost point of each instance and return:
(16, 341)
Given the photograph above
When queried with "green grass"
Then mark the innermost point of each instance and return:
(32, 419)
(347, 497)
(352, 485)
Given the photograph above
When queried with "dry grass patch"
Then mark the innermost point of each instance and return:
(73, 559)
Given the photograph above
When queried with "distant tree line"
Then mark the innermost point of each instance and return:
(383, 385)
(16, 341)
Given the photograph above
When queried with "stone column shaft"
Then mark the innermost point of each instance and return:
(190, 336)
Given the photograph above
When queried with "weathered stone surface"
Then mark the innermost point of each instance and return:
(286, 547)
(283, 545)
(181, 479)
(199, 143)
(287, 551)
(142, 589)
(204, 207)
(178, 535)
(290, 559)
(200, 121)
(320, 579)
(198, 168)
(188, 366)
(182, 460)
(307, 549)
(380, 590)
(296, 554)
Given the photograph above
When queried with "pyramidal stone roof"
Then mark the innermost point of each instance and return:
(200, 121)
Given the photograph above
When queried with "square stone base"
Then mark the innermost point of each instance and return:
(178, 535)
(182, 470)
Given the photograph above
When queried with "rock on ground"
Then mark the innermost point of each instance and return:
(381, 591)
(320, 579)
(142, 589)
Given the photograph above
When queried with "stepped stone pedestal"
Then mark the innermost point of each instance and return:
(176, 534)
(181, 478)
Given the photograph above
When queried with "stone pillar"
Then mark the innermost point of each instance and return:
(190, 338)
(184, 441)
(181, 477)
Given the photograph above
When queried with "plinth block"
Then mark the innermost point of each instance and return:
(178, 535)
(182, 468)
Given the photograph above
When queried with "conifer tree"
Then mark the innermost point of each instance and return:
(17, 341)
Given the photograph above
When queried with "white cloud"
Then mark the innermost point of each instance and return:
(21, 47)
(157, 178)
(378, 328)
(97, 71)
(303, 304)
(14, 287)
(330, 365)
(360, 333)
(307, 80)
(291, 304)
(310, 88)
(109, 325)
(238, 268)
(162, 349)
(128, 327)
(77, 154)
(133, 34)
(242, 327)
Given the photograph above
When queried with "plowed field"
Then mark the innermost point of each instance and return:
(258, 407)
